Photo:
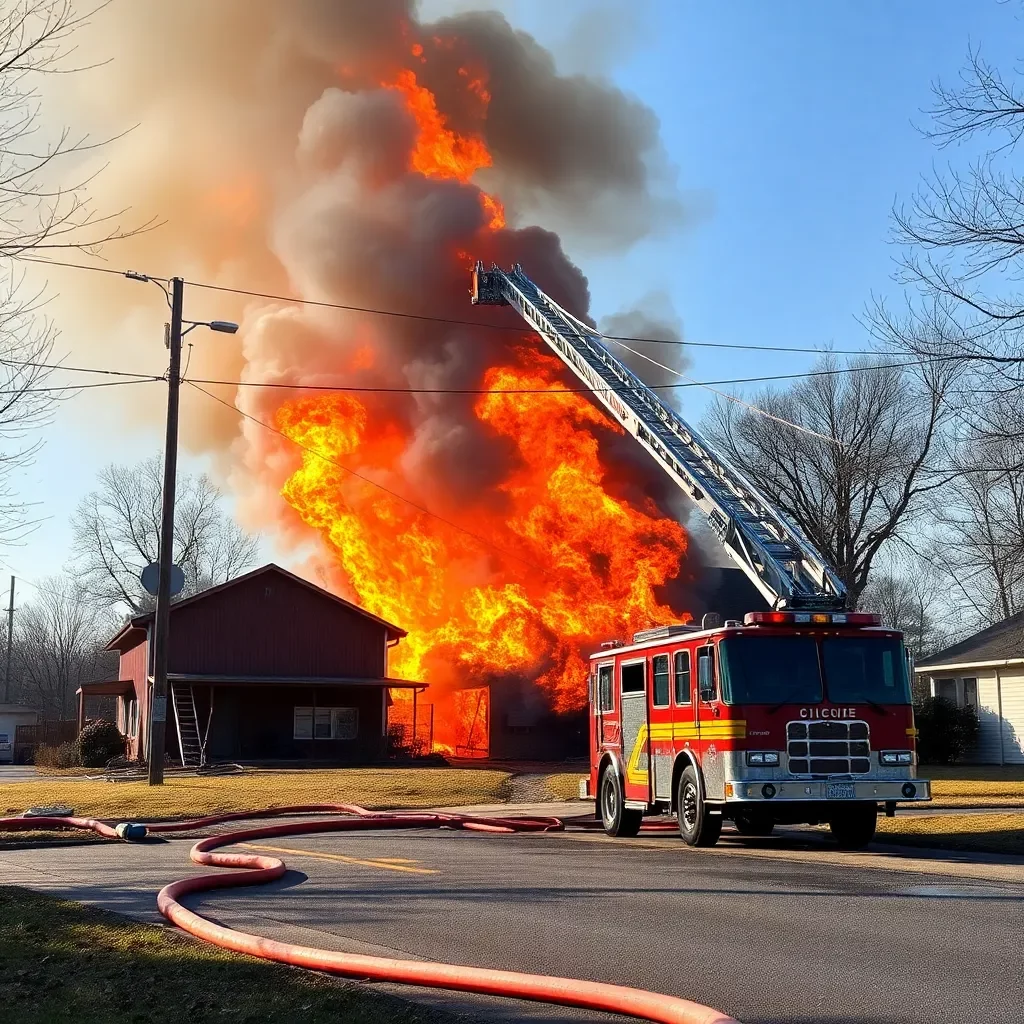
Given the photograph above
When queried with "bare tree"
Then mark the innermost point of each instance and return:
(963, 234)
(856, 470)
(980, 542)
(42, 209)
(117, 534)
(910, 597)
(58, 644)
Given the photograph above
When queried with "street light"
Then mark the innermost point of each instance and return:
(158, 699)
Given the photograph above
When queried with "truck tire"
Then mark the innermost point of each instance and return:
(748, 825)
(854, 827)
(696, 825)
(616, 818)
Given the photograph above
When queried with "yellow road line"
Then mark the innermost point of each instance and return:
(386, 864)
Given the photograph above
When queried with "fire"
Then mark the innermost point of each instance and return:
(439, 152)
(582, 565)
(517, 583)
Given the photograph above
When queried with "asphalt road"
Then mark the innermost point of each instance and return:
(786, 930)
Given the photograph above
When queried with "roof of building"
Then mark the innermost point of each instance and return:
(140, 621)
(17, 709)
(1001, 642)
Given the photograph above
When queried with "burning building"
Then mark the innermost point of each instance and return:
(443, 473)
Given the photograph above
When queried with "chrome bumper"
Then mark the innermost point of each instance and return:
(798, 790)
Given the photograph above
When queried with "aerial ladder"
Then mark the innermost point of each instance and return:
(766, 544)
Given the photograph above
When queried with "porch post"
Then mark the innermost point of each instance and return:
(81, 710)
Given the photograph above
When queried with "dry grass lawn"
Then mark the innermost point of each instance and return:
(565, 785)
(975, 785)
(994, 833)
(192, 797)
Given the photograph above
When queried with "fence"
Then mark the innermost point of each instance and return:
(410, 728)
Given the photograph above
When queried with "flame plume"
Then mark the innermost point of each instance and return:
(346, 152)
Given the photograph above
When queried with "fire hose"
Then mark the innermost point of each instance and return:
(259, 870)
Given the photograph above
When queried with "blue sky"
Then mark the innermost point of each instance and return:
(790, 126)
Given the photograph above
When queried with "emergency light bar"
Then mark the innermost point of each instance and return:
(812, 619)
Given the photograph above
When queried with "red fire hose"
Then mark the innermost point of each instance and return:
(261, 869)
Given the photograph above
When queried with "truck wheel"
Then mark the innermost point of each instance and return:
(854, 827)
(617, 819)
(696, 826)
(748, 825)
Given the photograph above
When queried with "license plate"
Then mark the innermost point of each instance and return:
(839, 791)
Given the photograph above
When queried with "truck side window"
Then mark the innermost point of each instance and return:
(634, 677)
(706, 673)
(660, 668)
(682, 668)
(604, 688)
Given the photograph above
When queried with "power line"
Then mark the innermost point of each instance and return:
(80, 387)
(74, 369)
(368, 480)
(689, 383)
(453, 321)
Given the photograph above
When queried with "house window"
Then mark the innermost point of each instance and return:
(131, 716)
(961, 692)
(660, 665)
(325, 723)
(682, 668)
(970, 692)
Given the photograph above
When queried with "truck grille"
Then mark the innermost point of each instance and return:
(828, 748)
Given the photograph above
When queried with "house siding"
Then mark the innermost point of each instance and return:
(274, 626)
(986, 750)
(135, 666)
(1013, 716)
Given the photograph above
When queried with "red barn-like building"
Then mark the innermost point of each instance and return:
(266, 667)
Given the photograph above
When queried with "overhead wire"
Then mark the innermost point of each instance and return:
(434, 318)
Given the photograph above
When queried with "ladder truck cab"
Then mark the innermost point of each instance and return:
(785, 718)
(797, 715)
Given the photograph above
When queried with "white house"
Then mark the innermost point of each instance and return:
(986, 670)
(11, 716)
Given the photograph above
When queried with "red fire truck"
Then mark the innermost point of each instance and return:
(786, 718)
(799, 714)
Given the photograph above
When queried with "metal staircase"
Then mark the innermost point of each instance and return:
(773, 552)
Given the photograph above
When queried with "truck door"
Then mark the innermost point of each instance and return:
(709, 713)
(635, 725)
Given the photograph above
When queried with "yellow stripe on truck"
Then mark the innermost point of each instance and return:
(665, 732)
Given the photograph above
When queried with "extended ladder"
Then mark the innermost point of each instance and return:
(773, 552)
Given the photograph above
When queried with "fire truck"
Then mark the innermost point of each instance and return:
(801, 714)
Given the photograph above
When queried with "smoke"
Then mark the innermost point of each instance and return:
(273, 147)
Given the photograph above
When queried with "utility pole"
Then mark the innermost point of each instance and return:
(10, 634)
(158, 697)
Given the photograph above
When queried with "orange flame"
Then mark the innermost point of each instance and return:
(586, 564)
(439, 152)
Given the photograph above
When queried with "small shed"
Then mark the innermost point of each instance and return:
(266, 667)
(11, 716)
(987, 671)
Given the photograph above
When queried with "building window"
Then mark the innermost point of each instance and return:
(970, 692)
(131, 716)
(682, 668)
(660, 666)
(325, 723)
(961, 692)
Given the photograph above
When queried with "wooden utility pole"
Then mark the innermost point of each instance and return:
(158, 696)
(10, 635)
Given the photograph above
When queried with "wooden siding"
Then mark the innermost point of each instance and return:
(135, 666)
(273, 626)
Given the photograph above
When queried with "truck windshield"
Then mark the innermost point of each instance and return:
(769, 670)
(865, 669)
